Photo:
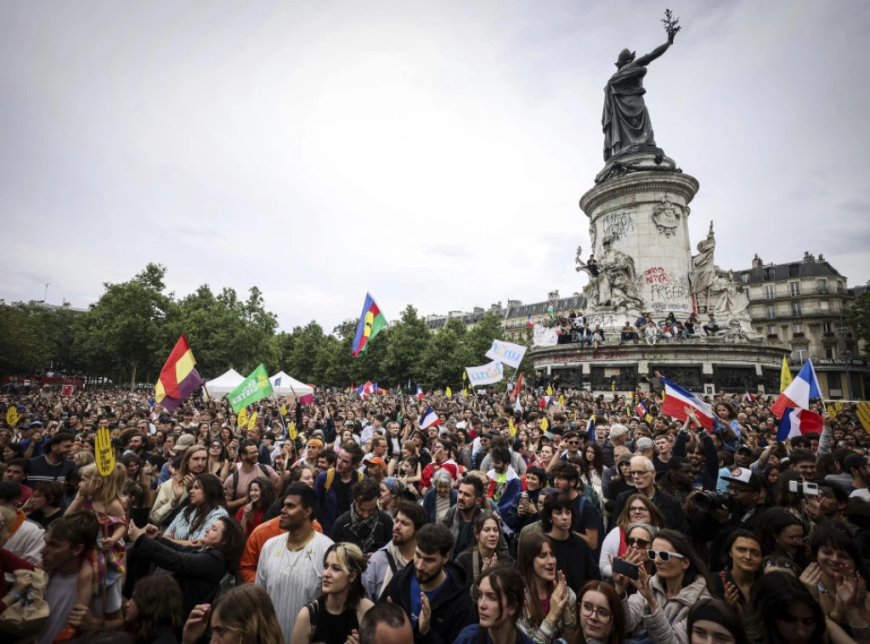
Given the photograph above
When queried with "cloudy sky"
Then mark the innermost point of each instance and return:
(432, 153)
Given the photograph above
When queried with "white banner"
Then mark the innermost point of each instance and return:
(507, 352)
(485, 375)
(545, 337)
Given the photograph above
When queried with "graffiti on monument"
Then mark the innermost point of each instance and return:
(667, 293)
(617, 224)
(600, 320)
(657, 275)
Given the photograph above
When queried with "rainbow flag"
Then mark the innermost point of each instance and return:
(370, 323)
(178, 378)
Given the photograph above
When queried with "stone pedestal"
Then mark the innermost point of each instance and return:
(644, 214)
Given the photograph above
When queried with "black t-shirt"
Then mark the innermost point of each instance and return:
(41, 470)
(575, 560)
(342, 494)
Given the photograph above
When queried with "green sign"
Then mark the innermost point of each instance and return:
(254, 388)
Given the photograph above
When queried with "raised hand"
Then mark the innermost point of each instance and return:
(811, 577)
(197, 622)
(732, 595)
(425, 614)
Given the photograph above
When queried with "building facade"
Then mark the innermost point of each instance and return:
(805, 303)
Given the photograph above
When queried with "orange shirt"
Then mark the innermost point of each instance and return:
(261, 534)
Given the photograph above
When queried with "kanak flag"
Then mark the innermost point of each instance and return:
(798, 394)
(676, 401)
(178, 378)
(797, 422)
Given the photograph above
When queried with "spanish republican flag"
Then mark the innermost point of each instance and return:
(178, 378)
(371, 321)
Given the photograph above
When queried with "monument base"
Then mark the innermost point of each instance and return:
(704, 365)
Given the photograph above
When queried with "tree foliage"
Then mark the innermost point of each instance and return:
(129, 332)
(859, 320)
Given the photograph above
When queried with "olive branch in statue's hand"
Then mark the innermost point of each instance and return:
(672, 25)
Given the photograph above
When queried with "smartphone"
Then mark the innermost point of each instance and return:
(806, 489)
(625, 568)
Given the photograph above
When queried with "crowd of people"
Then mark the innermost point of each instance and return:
(574, 327)
(344, 521)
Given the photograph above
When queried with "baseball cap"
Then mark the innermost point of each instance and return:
(375, 460)
(854, 460)
(183, 443)
(746, 477)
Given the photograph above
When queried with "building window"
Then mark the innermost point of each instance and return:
(827, 327)
(796, 309)
(795, 288)
(770, 291)
(826, 306)
(771, 311)
(771, 329)
(830, 352)
(800, 354)
(835, 384)
(745, 277)
(839, 286)
(794, 270)
(822, 285)
(798, 327)
(770, 273)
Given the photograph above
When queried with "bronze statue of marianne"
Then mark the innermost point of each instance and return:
(625, 121)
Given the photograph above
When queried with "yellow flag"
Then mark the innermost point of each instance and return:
(545, 425)
(464, 376)
(512, 427)
(465, 393)
(104, 452)
(242, 418)
(864, 415)
(549, 390)
(291, 431)
(12, 416)
(283, 410)
(449, 393)
(784, 376)
(561, 399)
(252, 421)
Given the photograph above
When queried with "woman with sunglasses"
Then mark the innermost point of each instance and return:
(660, 607)
(637, 509)
(218, 459)
(602, 618)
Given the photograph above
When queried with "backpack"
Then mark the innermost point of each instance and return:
(330, 477)
(391, 560)
(236, 478)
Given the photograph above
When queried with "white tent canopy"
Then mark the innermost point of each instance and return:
(222, 385)
(289, 385)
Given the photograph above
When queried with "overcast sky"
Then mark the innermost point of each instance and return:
(431, 153)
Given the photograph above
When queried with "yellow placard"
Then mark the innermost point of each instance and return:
(864, 415)
(252, 421)
(283, 410)
(291, 430)
(545, 425)
(549, 390)
(104, 452)
(242, 418)
(561, 399)
(12, 416)
(449, 393)
(512, 427)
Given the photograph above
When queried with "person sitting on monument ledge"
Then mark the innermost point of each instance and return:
(712, 327)
(628, 333)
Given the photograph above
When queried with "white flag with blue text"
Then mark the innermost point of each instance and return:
(507, 353)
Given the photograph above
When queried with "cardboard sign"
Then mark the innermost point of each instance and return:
(66, 391)
(12, 416)
(252, 421)
(104, 452)
(242, 418)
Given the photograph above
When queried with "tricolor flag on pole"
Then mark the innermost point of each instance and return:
(797, 422)
(529, 322)
(590, 429)
(370, 323)
(748, 397)
(419, 394)
(178, 378)
(428, 419)
(799, 393)
(676, 401)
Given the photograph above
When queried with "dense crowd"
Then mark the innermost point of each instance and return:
(509, 521)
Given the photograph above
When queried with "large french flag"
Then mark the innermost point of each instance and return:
(799, 393)
(676, 401)
(797, 422)
(428, 419)
(419, 393)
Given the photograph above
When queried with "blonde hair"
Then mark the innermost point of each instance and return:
(7, 518)
(248, 610)
(83, 458)
(113, 485)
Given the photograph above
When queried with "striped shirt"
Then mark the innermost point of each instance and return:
(291, 577)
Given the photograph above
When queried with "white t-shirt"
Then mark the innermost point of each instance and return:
(292, 578)
(861, 494)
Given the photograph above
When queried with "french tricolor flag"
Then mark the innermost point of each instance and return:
(428, 419)
(797, 422)
(529, 322)
(419, 393)
(799, 393)
(748, 397)
(676, 401)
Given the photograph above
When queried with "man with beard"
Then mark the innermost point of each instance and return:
(470, 499)
(386, 562)
(433, 590)
(364, 525)
(291, 565)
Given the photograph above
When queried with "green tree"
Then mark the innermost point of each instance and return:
(128, 330)
(304, 361)
(859, 320)
(444, 359)
(26, 342)
(407, 342)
